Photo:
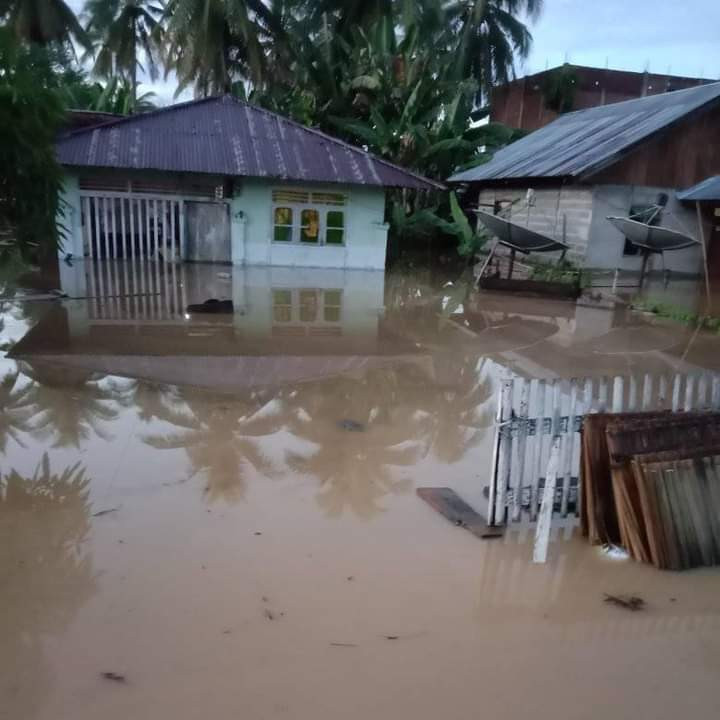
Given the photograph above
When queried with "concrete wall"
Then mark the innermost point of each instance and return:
(546, 215)
(594, 242)
(252, 229)
(606, 248)
(70, 217)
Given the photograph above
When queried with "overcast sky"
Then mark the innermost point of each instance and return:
(629, 35)
(680, 36)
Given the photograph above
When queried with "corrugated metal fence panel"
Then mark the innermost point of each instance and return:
(531, 412)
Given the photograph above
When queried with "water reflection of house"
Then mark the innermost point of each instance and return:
(287, 325)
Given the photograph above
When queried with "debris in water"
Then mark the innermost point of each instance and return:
(392, 637)
(350, 425)
(615, 552)
(343, 645)
(265, 599)
(258, 533)
(629, 602)
(212, 307)
(458, 512)
(269, 615)
(115, 677)
(106, 512)
(351, 578)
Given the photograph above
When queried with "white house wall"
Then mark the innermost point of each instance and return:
(251, 224)
(252, 229)
(606, 248)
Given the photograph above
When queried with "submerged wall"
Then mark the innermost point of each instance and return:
(252, 228)
(248, 238)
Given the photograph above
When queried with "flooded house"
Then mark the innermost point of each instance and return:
(220, 180)
(629, 159)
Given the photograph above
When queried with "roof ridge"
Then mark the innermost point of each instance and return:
(639, 99)
(139, 116)
(336, 141)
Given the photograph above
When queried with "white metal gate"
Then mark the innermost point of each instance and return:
(137, 289)
(129, 225)
(532, 412)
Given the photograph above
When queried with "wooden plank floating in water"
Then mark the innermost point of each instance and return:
(450, 505)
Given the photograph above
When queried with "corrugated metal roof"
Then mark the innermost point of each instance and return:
(226, 136)
(583, 142)
(708, 189)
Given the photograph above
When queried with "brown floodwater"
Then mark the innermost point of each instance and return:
(221, 509)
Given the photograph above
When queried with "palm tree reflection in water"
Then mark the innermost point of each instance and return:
(15, 411)
(402, 416)
(68, 405)
(220, 436)
(47, 574)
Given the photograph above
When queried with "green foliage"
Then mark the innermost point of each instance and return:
(678, 314)
(405, 78)
(559, 88)
(560, 272)
(42, 22)
(31, 113)
(123, 31)
(470, 243)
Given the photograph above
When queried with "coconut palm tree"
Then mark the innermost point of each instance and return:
(126, 31)
(490, 37)
(219, 436)
(43, 21)
(215, 44)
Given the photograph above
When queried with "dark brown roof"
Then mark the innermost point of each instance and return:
(226, 136)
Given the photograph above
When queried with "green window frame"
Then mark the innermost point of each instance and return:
(283, 224)
(335, 227)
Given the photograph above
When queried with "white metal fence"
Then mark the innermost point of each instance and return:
(138, 289)
(532, 412)
(130, 225)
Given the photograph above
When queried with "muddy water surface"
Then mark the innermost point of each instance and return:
(220, 510)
